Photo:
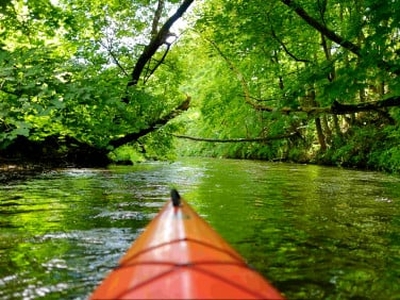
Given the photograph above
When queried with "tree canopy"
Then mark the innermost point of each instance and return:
(323, 74)
(72, 69)
(290, 80)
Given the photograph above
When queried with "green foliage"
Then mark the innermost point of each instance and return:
(366, 147)
(250, 53)
(386, 151)
(159, 145)
(127, 154)
(64, 68)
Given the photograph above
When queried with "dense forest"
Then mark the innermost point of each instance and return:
(90, 82)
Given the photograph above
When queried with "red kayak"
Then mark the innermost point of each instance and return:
(179, 256)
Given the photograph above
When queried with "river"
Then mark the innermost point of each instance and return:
(315, 232)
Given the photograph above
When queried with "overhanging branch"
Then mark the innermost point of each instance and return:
(333, 36)
(131, 137)
(156, 42)
(287, 51)
(330, 34)
(238, 140)
(337, 108)
(340, 109)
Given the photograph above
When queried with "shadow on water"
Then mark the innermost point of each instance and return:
(315, 232)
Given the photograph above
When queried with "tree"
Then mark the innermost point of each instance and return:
(300, 60)
(65, 70)
(318, 74)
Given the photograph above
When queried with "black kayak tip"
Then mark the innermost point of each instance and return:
(175, 197)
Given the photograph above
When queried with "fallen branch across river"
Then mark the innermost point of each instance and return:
(236, 140)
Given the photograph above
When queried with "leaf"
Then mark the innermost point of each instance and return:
(24, 131)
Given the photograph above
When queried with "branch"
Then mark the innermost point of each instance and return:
(239, 140)
(157, 17)
(330, 34)
(115, 59)
(131, 137)
(235, 70)
(321, 28)
(286, 49)
(154, 45)
(266, 100)
(247, 96)
(158, 63)
(337, 108)
(341, 109)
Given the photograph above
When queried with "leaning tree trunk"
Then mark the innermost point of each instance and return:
(320, 133)
(318, 126)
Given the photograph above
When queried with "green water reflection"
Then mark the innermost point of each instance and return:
(315, 232)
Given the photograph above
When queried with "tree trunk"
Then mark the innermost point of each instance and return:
(327, 129)
(320, 133)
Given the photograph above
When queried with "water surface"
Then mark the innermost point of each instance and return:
(315, 232)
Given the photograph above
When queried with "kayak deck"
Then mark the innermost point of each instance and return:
(179, 256)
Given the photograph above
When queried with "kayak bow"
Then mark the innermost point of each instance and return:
(179, 256)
